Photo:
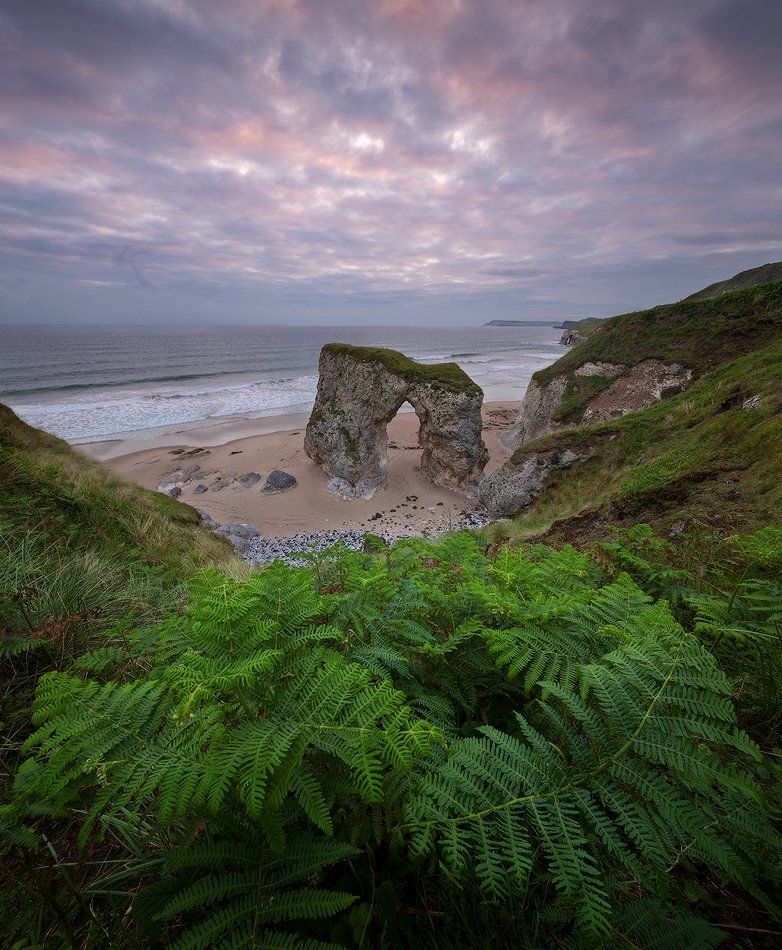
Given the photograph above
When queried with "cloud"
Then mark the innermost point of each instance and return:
(293, 159)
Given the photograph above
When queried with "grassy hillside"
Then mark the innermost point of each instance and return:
(700, 335)
(84, 557)
(700, 457)
(60, 498)
(747, 278)
(406, 748)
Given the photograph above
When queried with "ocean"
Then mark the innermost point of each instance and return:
(94, 383)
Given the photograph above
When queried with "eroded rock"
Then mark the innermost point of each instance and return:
(248, 480)
(536, 413)
(360, 389)
(571, 338)
(645, 384)
(599, 369)
(519, 482)
(635, 388)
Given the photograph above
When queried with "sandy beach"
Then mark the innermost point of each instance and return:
(409, 505)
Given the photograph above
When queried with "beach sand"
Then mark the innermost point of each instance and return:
(409, 505)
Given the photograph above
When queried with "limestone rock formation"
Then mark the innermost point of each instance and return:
(571, 338)
(645, 384)
(630, 390)
(522, 479)
(606, 370)
(360, 389)
(536, 413)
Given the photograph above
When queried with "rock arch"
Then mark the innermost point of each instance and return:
(360, 389)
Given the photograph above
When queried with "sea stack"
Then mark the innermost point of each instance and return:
(360, 389)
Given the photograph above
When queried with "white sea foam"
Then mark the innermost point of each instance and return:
(89, 398)
(94, 416)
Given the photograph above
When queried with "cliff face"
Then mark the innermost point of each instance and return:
(623, 369)
(630, 389)
(536, 413)
(571, 338)
(360, 390)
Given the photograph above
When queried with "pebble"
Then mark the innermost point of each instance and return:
(265, 550)
(260, 550)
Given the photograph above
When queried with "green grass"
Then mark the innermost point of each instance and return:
(747, 278)
(64, 499)
(439, 374)
(698, 334)
(696, 457)
(84, 557)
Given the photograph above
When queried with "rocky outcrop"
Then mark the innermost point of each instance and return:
(360, 389)
(632, 389)
(571, 338)
(536, 413)
(523, 478)
(642, 386)
(606, 370)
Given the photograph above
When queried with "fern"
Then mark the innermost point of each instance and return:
(624, 765)
(229, 890)
(522, 739)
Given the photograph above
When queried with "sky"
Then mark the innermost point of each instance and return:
(384, 162)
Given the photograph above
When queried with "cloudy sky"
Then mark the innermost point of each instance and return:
(382, 161)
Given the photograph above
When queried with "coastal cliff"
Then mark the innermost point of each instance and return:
(571, 338)
(600, 411)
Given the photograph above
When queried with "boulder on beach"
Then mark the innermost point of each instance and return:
(248, 480)
(170, 488)
(278, 481)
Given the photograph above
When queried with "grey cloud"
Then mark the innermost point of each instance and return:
(461, 161)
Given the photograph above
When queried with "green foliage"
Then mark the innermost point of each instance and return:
(450, 375)
(407, 747)
(699, 457)
(729, 592)
(700, 334)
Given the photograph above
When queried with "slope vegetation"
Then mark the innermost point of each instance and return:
(56, 497)
(699, 335)
(711, 454)
(747, 278)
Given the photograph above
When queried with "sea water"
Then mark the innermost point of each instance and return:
(94, 383)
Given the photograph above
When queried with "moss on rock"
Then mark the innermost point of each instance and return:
(449, 375)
